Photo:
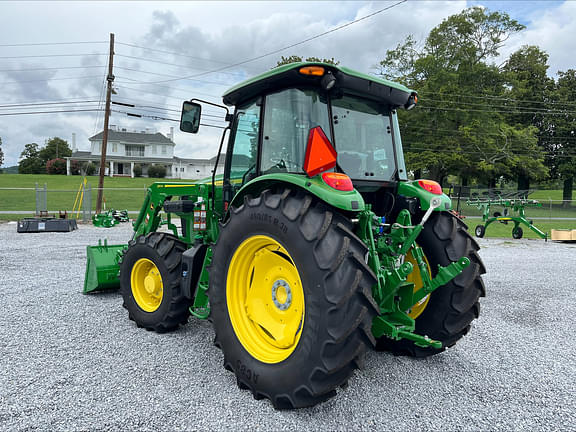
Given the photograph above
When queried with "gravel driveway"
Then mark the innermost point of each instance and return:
(71, 361)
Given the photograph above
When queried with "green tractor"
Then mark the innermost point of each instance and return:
(311, 247)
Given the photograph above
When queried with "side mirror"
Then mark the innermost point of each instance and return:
(190, 120)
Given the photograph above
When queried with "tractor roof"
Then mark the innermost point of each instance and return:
(346, 79)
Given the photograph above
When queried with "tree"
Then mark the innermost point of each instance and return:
(30, 162)
(564, 132)
(1, 153)
(459, 128)
(56, 166)
(157, 171)
(529, 93)
(294, 59)
(55, 148)
(137, 170)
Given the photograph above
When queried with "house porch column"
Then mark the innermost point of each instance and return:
(68, 166)
(111, 168)
(132, 169)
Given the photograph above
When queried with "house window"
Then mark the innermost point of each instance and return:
(163, 149)
(135, 150)
(114, 147)
(182, 169)
(153, 148)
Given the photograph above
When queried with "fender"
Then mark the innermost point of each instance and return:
(350, 201)
(411, 189)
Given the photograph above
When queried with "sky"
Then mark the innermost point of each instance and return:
(56, 53)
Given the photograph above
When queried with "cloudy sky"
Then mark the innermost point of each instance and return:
(53, 55)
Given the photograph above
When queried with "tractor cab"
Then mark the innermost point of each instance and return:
(310, 118)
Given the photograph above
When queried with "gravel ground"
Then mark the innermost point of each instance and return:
(75, 362)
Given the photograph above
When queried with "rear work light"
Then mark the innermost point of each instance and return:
(338, 181)
(431, 186)
(312, 70)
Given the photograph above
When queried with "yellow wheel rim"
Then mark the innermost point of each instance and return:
(416, 278)
(147, 287)
(265, 299)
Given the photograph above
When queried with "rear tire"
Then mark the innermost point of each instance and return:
(335, 291)
(452, 307)
(150, 274)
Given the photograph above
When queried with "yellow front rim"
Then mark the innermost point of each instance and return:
(265, 299)
(147, 287)
(416, 278)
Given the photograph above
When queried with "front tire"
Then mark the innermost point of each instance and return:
(150, 274)
(294, 352)
(452, 307)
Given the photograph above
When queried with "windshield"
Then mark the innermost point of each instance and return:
(363, 139)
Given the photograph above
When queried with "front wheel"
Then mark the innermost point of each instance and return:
(517, 233)
(290, 298)
(451, 308)
(150, 274)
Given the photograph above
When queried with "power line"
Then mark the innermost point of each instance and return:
(187, 90)
(52, 100)
(158, 94)
(486, 105)
(52, 68)
(289, 46)
(502, 98)
(173, 53)
(51, 79)
(48, 112)
(155, 108)
(51, 43)
(46, 103)
(173, 64)
(161, 118)
(52, 55)
(173, 76)
(434, 129)
(493, 111)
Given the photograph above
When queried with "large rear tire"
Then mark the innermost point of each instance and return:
(290, 298)
(150, 275)
(451, 308)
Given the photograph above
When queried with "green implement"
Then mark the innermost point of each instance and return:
(513, 204)
(102, 267)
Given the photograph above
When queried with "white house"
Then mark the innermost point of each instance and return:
(145, 148)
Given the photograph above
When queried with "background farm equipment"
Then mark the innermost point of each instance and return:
(513, 204)
(311, 247)
(110, 218)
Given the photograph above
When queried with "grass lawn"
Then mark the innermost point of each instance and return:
(127, 193)
(122, 192)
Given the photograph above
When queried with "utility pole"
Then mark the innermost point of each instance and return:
(110, 79)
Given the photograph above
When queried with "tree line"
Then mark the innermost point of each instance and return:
(48, 159)
(482, 122)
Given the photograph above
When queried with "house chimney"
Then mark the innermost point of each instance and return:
(171, 134)
(73, 142)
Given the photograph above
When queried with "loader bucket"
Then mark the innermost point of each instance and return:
(102, 267)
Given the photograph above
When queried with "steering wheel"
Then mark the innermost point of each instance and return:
(284, 163)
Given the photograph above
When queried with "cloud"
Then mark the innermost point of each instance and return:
(553, 30)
